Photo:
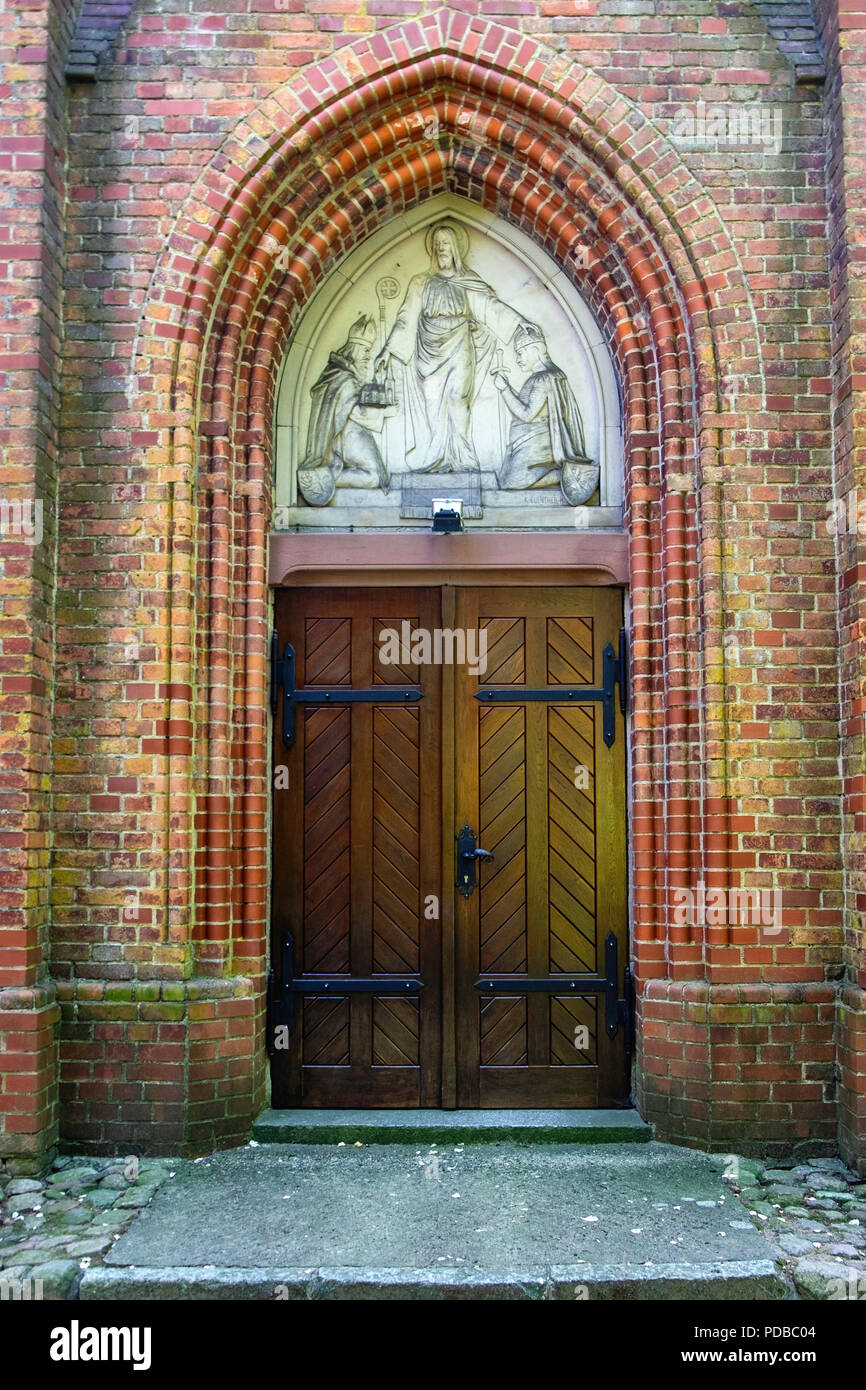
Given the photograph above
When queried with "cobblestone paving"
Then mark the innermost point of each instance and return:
(54, 1227)
(813, 1215)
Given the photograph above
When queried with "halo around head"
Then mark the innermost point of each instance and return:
(461, 240)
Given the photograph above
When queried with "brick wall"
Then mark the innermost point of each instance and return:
(158, 1067)
(214, 133)
(748, 1069)
(32, 195)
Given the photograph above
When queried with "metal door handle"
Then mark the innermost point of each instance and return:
(468, 854)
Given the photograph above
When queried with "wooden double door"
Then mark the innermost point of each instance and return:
(416, 726)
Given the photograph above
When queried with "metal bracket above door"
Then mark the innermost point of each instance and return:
(283, 677)
(614, 673)
(616, 1010)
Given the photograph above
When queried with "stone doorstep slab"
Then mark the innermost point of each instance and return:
(755, 1279)
(725, 1281)
(451, 1126)
(514, 1220)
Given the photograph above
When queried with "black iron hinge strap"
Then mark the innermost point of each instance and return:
(614, 673)
(283, 988)
(616, 1010)
(283, 678)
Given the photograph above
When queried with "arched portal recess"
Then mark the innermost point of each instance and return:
(328, 161)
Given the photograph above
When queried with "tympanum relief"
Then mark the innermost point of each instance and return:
(453, 374)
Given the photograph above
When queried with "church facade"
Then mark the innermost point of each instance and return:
(431, 509)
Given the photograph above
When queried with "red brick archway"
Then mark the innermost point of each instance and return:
(560, 154)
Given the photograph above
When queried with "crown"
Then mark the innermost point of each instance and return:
(528, 333)
(363, 330)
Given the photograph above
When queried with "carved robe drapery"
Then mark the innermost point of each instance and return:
(547, 431)
(339, 436)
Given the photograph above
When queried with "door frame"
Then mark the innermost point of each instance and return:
(471, 559)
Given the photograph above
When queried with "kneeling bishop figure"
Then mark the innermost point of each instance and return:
(341, 444)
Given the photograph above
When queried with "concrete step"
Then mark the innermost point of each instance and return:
(451, 1126)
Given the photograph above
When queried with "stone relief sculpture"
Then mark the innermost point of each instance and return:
(341, 443)
(545, 445)
(460, 383)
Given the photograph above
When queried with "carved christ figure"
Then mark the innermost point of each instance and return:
(445, 334)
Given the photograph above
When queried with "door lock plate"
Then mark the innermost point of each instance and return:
(468, 854)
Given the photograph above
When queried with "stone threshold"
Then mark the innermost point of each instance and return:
(726, 1280)
(446, 1126)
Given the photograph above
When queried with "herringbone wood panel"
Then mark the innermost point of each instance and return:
(327, 651)
(396, 1032)
(502, 830)
(572, 866)
(506, 657)
(503, 1032)
(327, 809)
(326, 1032)
(569, 651)
(396, 848)
(570, 1046)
